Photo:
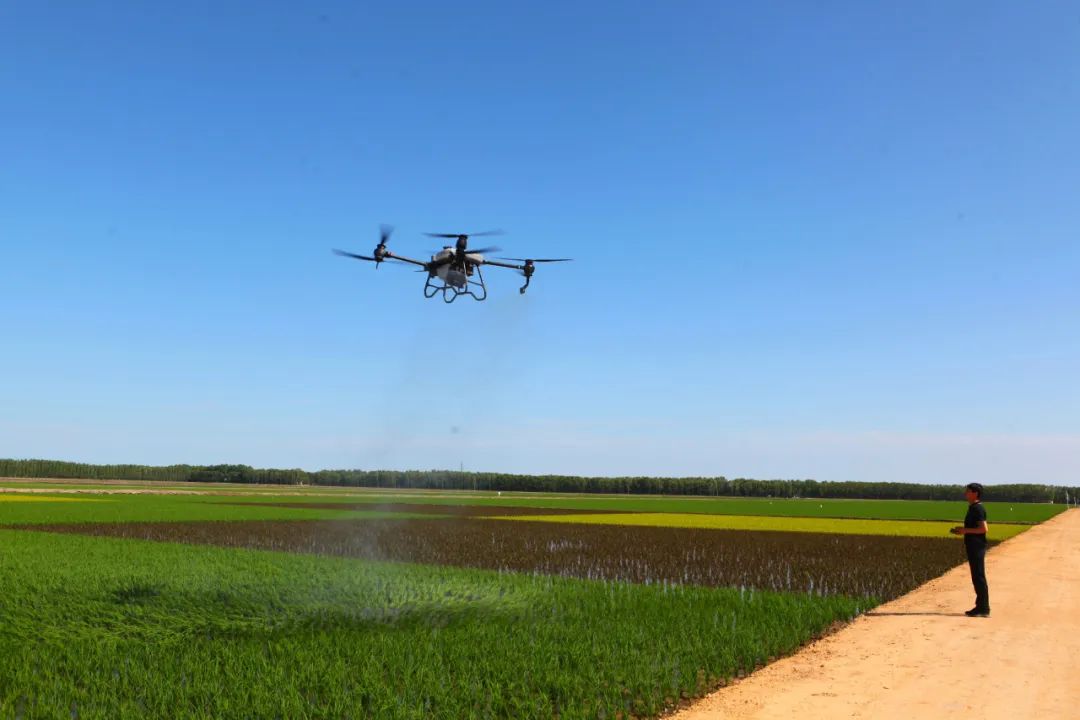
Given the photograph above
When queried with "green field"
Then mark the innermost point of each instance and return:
(770, 507)
(235, 605)
(141, 629)
(22, 509)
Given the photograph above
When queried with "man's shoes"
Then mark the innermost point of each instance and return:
(976, 612)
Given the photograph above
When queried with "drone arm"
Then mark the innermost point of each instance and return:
(392, 256)
(496, 263)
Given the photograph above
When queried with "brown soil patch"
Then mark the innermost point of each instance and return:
(868, 566)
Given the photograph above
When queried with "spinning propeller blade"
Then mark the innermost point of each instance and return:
(536, 260)
(467, 235)
(353, 255)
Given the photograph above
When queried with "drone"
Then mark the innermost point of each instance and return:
(455, 270)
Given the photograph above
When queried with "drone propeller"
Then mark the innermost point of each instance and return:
(380, 253)
(465, 235)
(392, 261)
(353, 255)
(528, 267)
(530, 261)
(470, 251)
(380, 250)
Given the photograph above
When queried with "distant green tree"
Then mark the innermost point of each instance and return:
(453, 480)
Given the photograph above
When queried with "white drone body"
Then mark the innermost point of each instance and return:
(451, 274)
(454, 271)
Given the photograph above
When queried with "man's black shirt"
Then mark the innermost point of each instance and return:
(976, 516)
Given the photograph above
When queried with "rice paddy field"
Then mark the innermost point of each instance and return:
(221, 602)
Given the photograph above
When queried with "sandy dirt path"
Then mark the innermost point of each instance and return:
(918, 656)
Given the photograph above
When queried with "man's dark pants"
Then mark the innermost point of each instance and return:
(976, 555)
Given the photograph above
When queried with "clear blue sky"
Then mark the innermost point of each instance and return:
(829, 240)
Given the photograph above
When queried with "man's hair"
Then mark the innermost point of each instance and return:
(975, 488)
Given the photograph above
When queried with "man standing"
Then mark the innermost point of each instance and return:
(974, 532)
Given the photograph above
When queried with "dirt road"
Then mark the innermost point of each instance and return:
(918, 656)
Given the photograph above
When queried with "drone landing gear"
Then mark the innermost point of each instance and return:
(474, 288)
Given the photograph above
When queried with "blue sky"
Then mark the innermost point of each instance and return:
(829, 240)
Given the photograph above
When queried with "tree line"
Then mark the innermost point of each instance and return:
(454, 480)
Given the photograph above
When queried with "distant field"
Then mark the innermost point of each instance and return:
(822, 563)
(856, 509)
(110, 508)
(332, 602)
(908, 528)
(39, 509)
(772, 507)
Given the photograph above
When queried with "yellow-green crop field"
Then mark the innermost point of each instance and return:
(906, 528)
